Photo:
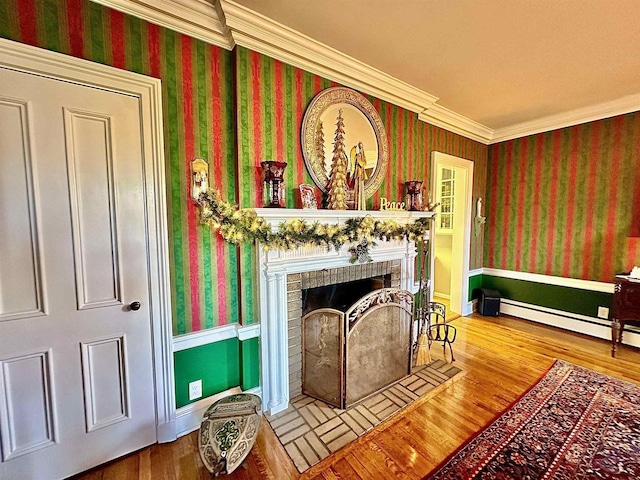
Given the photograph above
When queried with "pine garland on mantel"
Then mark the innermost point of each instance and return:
(244, 225)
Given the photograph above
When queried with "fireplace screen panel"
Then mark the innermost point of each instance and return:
(378, 351)
(322, 355)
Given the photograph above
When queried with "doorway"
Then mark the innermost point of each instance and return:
(84, 281)
(452, 183)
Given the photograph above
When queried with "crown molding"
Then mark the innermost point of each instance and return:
(264, 35)
(449, 120)
(628, 104)
(199, 19)
(226, 23)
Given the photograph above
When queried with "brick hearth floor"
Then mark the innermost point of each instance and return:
(311, 430)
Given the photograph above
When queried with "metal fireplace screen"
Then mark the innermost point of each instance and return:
(347, 357)
(322, 357)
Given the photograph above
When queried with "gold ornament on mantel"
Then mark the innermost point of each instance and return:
(338, 177)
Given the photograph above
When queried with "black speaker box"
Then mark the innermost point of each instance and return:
(488, 301)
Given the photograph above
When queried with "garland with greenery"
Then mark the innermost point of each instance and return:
(244, 225)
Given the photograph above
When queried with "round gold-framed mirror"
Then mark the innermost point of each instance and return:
(363, 135)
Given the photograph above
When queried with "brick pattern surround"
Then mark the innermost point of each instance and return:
(296, 282)
(311, 430)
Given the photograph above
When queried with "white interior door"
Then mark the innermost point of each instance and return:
(76, 371)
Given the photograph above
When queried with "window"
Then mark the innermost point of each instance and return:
(447, 190)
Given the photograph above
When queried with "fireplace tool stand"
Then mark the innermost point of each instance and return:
(431, 317)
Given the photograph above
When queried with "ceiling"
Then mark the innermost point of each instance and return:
(497, 62)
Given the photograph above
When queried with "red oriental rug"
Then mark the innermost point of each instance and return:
(573, 424)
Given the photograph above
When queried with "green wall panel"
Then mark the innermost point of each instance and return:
(474, 282)
(566, 299)
(250, 363)
(217, 364)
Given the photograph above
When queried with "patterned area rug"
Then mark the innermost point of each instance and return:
(573, 424)
(311, 430)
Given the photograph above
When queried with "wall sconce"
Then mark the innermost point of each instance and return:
(199, 177)
(479, 219)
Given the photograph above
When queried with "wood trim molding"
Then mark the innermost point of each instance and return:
(248, 331)
(594, 327)
(476, 271)
(197, 18)
(454, 122)
(253, 30)
(217, 334)
(189, 417)
(551, 280)
(26, 58)
(226, 23)
(628, 104)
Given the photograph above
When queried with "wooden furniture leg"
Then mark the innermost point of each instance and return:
(616, 335)
(626, 308)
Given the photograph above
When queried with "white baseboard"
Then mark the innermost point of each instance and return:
(166, 432)
(189, 417)
(470, 307)
(595, 327)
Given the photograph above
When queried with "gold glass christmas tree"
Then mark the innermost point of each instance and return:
(338, 176)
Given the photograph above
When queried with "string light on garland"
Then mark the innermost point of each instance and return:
(244, 225)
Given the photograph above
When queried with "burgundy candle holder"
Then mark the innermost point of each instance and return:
(414, 195)
(273, 183)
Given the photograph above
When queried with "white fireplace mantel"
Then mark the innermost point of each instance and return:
(274, 266)
(277, 215)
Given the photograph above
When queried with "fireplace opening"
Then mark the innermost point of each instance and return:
(341, 296)
(348, 356)
(345, 286)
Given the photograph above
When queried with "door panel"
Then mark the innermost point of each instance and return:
(21, 257)
(27, 426)
(72, 245)
(106, 382)
(90, 164)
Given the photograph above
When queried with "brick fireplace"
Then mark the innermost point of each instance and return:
(285, 274)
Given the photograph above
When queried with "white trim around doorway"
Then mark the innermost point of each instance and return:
(462, 306)
(37, 61)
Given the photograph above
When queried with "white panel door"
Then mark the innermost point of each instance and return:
(76, 372)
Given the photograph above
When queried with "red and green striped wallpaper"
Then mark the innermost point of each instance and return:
(197, 89)
(271, 100)
(561, 203)
(217, 104)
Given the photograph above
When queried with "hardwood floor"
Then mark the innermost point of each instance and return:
(500, 357)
